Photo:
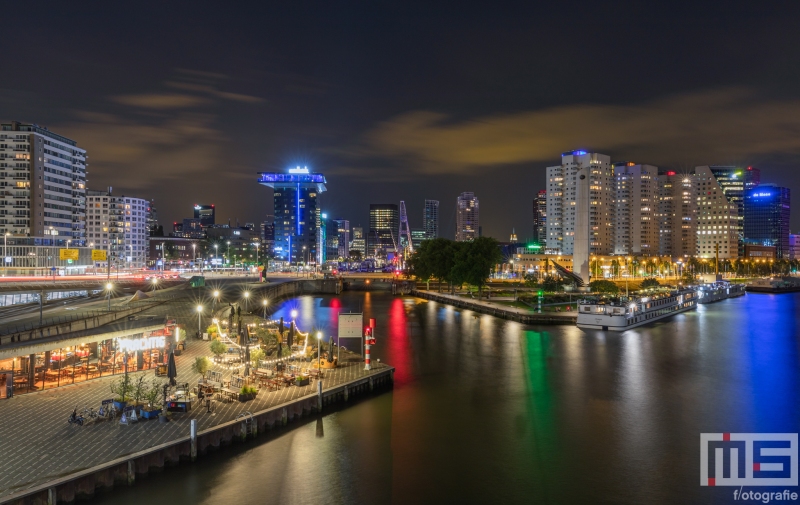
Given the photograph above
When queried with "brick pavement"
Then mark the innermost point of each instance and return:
(38, 444)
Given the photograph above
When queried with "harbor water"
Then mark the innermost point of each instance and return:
(490, 411)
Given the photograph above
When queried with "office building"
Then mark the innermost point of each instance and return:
(342, 231)
(417, 236)
(635, 209)
(359, 243)
(766, 218)
(540, 218)
(296, 197)
(562, 188)
(733, 181)
(268, 236)
(119, 225)
(44, 179)
(155, 229)
(794, 246)
(384, 223)
(174, 251)
(236, 244)
(718, 208)
(430, 219)
(206, 214)
(677, 214)
(468, 217)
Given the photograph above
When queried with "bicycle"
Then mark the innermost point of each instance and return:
(89, 413)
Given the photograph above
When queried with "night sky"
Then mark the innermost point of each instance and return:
(183, 103)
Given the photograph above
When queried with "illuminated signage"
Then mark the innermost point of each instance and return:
(298, 170)
(140, 344)
(762, 194)
(68, 254)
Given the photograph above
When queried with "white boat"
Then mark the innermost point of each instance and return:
(720, 290)
(624, 314)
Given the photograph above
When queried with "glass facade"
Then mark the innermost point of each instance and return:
(384, 223)
(766, 218)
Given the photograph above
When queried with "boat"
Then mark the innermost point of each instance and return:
(784, 284)
(626, 313)
(719, 290)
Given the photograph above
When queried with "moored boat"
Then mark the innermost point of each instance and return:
(629, 312)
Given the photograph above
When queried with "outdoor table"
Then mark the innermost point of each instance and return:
(230, 394)
(315, 373)
(20, 382)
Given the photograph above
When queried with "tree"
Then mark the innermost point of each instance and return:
(151, 395)
(256, 355)
(355, 255)
(552, 283)
(475, 261)
(603, 286)
(121, 388)
(201, 365)
(420, 264)
(649, 283)
(139, 389)
(442, 259)
(218, 348)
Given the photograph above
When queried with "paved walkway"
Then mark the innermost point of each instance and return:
(502, 306)
(37, 443)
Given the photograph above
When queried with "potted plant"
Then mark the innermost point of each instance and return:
(151, 411)
(247, 393)
(121, 389)
(256, 355)
(201, 365)
(138, 391)
(218, 348)
(301, 380)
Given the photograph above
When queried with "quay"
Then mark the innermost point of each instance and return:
(494, 309)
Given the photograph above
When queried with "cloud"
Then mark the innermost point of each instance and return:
(161, 100)
(705, 127)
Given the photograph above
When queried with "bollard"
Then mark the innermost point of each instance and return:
(284, 417)
(319, 396)
(193, 439)
(371, 385)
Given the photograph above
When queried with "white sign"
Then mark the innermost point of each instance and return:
(140, 344)
(216, 261)
(350, 325)
(9, 259)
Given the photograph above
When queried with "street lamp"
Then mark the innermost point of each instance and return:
(108, 290)
(294, 314)
(246, 299)
(216, 299)
(319, 352)
(199, 315)
(264, 302)
(229, 250)
(216, 251)
(194, 255)
(155, 283)
(5, 251)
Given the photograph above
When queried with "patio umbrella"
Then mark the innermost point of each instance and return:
(280, 327)
(172, 371)
(330, 350)
(247, 359)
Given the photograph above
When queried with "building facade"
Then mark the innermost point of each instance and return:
(733, 181)
(119, 225)
(540, 218)
(766, 217)
(677, 214)
(430, 219)
(636, 209)
(468, 217)
(718, 209)
(42, 185)
(296, 202)
(206, 214)
(384, 223)
(343, 237)
(359, 243)
(561, 202)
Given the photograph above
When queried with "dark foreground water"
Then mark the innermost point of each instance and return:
(490, 411)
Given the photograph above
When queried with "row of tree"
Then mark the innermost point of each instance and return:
(639, 266)
(455, 263)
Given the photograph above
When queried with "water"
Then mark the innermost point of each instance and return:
(491, 411)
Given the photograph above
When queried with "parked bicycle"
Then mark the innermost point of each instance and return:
(89, 413)
(107, 411)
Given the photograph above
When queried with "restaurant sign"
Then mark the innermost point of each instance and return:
(140, 344)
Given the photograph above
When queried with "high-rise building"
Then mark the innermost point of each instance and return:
(324, 240)
(430, 219)
(636, 208)
(153, 227)
(358, 243)
(561, 202)
(343, 237)
(43, 175)
(718, 207)
(733, 181)
(296, 196)
(540, 218)
(268, 236)
(206, 214)
(766, 217)
(677, 214)
(119, 225)
(417, 236)
(468, 217)
(794, 246)
(384, 222)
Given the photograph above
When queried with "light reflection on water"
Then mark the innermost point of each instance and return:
(486, 411)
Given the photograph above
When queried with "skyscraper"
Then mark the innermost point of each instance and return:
(206, 214)
(296, 197)
(734, 181)
(358, 243)
(384, 223)
(766, 217)
(540, 218)
(635, 214)
(118, 224)
(719, 192)
(343, 237)
(677, 214)
(430, 219)
(44, 178)
(467, 217)
(561, 202)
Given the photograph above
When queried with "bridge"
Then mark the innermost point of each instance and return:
(99, 284)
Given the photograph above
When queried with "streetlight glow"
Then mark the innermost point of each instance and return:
(294, 314)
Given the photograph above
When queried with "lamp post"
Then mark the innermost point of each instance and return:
(216, 298)
(246, 299)
(319, 351)
(304, 261)
(264, 302)
(199, 315)
(194, 255)
(216, 251)
(108, 290)
(229, 250)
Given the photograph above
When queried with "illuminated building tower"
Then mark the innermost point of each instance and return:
(540, 218)
(43, 175)
(296, 196)
(404, 232)
(766, 218)
(719, 203)
(677, 215)
(562, 182)
(205, 214)
(384, 222)
(430, 219)
(358, 243)
(734, 181)
(467, 217)
(343, 237)
(635, 223)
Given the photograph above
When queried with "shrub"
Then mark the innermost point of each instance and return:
(246, 390)
(649, 283)
(121, 388)
(603, 286)
(218, 348)
(201, 365)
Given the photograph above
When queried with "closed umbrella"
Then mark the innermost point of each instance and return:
(330, 350)
(247, 359)
(291, 336)
(172, 370)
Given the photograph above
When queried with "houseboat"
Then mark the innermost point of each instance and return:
(626, 313)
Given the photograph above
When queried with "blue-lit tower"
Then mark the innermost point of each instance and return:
(296, 196)
(766, 217)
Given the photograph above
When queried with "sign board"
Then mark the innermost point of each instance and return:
(99, 255)
(159, 263)
(140, 344)
(68, 254)
(350, 325)
(216, 261)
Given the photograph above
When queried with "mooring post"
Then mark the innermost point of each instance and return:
(346, 394)
(284, 416)
(131, 472)
(371, 384)
(319, 395)
(193, 439)
(52, 496)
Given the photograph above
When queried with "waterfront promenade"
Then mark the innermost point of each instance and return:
(503, 311)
